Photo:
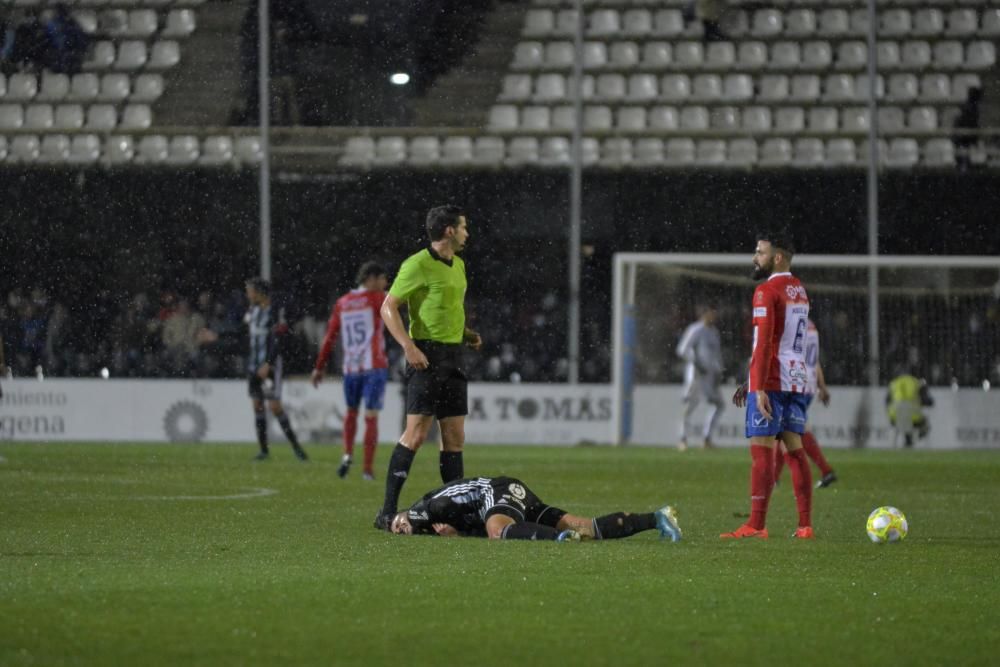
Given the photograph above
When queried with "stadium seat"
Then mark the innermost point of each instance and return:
(675, 87)
(800, 23)
(119, 149)
(456, 150)
(939, 153)
(862, 87)
(539, 22)
(153, 149)
(890, 119)
(767, 23)
(935, 88)
(637, 22)
(604, 23)
(656, 55)
(991, 22)
(854, 119)
(358, 151)
(694, 118)
(147, 88)
(785, 55)
(859, 23)
(529, 55)
(84, 149)
(566, 22)
(556, 55)
(624, 54)
(840, 152)
(720, 55)
(668, 23)
(562, 118)
(11, 116)
(839, 88)
(833, 23)
(54, 88)
(960, 85)
(38, 117)
(962, 23)
(773, 88)
(630, 119)
(53, 148)
(516, 87)
(183, 150)
(390, 151)
(724, 118)
(180, 24)
(131, 55)
(522, 150)
(503, 117)
(916, 54)
(689, 55)
(895, 23)
(23, 148)
(597, 118)
(216, 151)
(679, 152)
(903, 153)
(608, 87)
(817, 55)
(101, 117)
(706, 87)
(616, 152)
(790, 120)
(928, 22)
(808, 152)
(888, 55)
(921, 118)
(136, 117)
(535, 118)
(113, 22)
(804, 88)
(141, 23)
(710, 152)
(756, 120)
(823, 119)
(852, 55)
(902, 87)
(21, 87)
(775, 152)
(663, 118)
(68, 117)
(737, 88)
(425, 150)
(165, 54)
(84, 87)
(595, 55)
(86, 19)
(752, 55)
(647, 152)
(980, 55)
(101, 56)
(742, 152)
(554, 152)
(550, 88)
(248, 150)
(948, 55)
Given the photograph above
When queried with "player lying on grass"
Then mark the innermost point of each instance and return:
(503, 508)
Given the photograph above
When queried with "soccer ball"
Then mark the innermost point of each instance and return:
(886, 524)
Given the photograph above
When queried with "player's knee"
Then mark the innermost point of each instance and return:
(496, 524)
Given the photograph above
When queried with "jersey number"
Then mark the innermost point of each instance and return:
(800, 334)
(356, 333)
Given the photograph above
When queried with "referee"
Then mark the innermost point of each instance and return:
(431, 283)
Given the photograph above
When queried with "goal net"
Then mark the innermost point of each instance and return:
(938, 317)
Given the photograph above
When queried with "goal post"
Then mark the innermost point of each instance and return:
(939, 316)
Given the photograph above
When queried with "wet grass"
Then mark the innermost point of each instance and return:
(129, 554)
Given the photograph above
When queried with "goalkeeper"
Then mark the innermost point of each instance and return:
(909, 394)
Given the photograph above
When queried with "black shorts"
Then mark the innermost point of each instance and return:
(441, 389)
(265, 390)
(512, 498)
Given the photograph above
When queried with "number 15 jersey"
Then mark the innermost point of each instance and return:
(780, 323)
(356, 319)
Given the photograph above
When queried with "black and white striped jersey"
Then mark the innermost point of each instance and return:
(462, 504)
(263, 339)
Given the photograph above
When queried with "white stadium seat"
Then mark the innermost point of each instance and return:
(775, 152)
(903, 153)
(689, 54)
(839, 88)
(610, 87)
(522, 150)
(84, 149)
(554, 152)
(888, 55)
(528, 55)
(922, 118)
(642, 87)
(131, 55)
(390, 150)
(637, 22)
(248, 150)
(456, 150)
(980, 55)
(790, 119)
(563, 117)
(773, 88)
(425, 150)
(737, 87)
(767, 23)
(101, 117)
(742, 152)
(663, 118)
(891, 119)
(804, 88)
(53, 148)
(84, 87)
(539, 22)
(902, 87)
(939, 153)
(624, 54)
(23, 148)
(595, 55)
(141, 23)
(862, 87)
(800, 23)
(895, 23)
(916, 54)
(119, 149)
(38, 117)
(668, 22)
(710, 152)
(165, 54)
(616, 152)
(675, 87)
(808, 152)
(180, 23)
(566, 22)
(935, 88)
(720, 55)
(854, 119)
(679, 152)
(101, 56)
(597, 118)
(786, 55)
(550, 87)
(358, 151)
(706, 87)
(54, 88)
(752, 55)
(656, 55)
(147, 88)
(516, 87)
(535, 118)
(991, 22)
(647, 151)
(68, 117)
(757, 119)
(604, 23)
(152, 149)
(833, 23)
(114, 88)
(694, 118)
(817, 55)
(928, 22)
(960, 85)
(559, 55)
(859, 22)
(724, 118)
(113, 22)
(948, 55)
(503, 117)
(11, 116)
(962, 23)
(852, 55)
(823, 119)
(21, 87)
(840, 152)
(136, 117)
(632, 119)
(3, 88)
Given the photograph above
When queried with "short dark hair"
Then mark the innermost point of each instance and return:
(440, 218)
(368, 270)
(779, 240)
(260, 285)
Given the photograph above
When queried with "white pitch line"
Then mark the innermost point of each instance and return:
(251, 493)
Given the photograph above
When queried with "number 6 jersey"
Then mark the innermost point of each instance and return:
(780, 323)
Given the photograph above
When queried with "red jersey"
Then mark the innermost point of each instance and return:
(780, 323)
(363, 342)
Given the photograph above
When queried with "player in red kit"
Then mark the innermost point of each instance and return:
(355, 318)
(775, 396)
(816, 389)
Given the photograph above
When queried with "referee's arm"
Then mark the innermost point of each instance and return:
(394, 323)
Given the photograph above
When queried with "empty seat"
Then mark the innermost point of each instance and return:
(895, 23)
(84, 87)
(800, 23)
(694, 118)
(563, 118)
(785, 55)
(165, 54)
(859, 22)
(679, 152)
(68, 117)
(136, 117)
(854, 119)
(804, 88)
(939, 153)
(948, 55)
(663, 118)
(862, 87)
(180, 24)
(141, 23)
(668, 22)
(38, 117)
(624, 54)
(630, 119)
(808, 152)
(675, 87)
(706, 87)
(928, 22)
(767, 23)
(101, 117)
(902, 87)
(597, 118)
(773, 88)
(131, 55)
(604, 23)
(86, 19)
(101, 56)
(522, 150)
(539, 22)
(891, 119)
(790, 119)
(642, 87)
(516, 87)
(21, 87)
(54, 87)
(595, 55)
(114, 88)
(916, 54)
(358, 151)
(11, 116)
(935, 88)
(775, 152)
(530, 55)
(248, 150)
(53, 148)
(567, 21)
(84, 149)
(888, 55)
(647, 151)
(550, 87)
(962, 22)
(742, 152)
(757, 119)
(609, 87)
(425, 150)
(23, 148)
(113, 22)
(903, 152)
(839, 88)
(535, 118)
(980, 55)
(840, 152)
(752, 55)
(922, 118)
(616, 152)
(152, 149)
(852, 55)
(390, 150)
(823, 119)
(710, 152)
(737, 87)
(991, 22)
(503, 117)
(554, 152)
(817, 55)
(147, 88)
(637, 22)
(960, 85)
(689, 54)
(456, 150)
(833, 23)
(656, 55)
(720, 55)
(724, 118)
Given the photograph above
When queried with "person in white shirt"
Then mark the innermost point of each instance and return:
(701, 348)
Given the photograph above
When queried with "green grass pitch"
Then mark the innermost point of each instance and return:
(134, 555)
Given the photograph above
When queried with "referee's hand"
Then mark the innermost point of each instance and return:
(415, 357)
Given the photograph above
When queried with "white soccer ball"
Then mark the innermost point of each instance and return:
(887, 524)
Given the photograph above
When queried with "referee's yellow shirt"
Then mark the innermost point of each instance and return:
(434, 292)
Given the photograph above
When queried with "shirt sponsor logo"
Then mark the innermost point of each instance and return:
(795, 292)
(517, 491)
(760, 312)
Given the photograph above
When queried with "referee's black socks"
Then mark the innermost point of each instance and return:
(622, 524)
(451, 466)
(399, 470)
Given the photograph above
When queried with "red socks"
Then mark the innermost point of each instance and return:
(371, 439)
(815, 453)
(798, 464)
(350, 431)
(761, 483)
(779, 460)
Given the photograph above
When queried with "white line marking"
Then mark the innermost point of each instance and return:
(250, 493)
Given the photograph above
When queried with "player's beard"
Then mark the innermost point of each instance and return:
(761, 272)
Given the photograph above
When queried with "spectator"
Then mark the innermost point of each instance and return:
(710, 12)
(181, 339)
(967, 119)
(67, 41)
(30, 44)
